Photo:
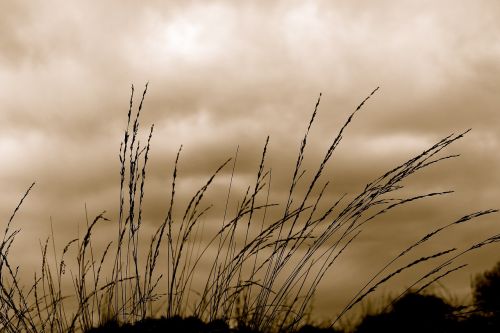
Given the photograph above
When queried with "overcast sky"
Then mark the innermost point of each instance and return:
(226, 73)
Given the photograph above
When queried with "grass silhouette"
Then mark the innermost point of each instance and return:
(263, 268)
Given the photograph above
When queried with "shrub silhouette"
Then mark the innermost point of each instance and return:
(429, 313)
(487, 291)
(486, 296)
(412, 313)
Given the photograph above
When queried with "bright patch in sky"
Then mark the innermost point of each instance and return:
(183, 38)
(20, 150)
(396, 144)
(198, 33)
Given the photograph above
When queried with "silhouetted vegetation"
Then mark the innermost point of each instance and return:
(172, 324)
(263, 268)
(486, 295)
(429, 313)
(412, 313)
(487, 291)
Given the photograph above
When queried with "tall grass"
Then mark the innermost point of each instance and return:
(265, 260)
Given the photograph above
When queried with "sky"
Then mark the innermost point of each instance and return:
(226, 74)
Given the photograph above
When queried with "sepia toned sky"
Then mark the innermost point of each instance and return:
(226, 73)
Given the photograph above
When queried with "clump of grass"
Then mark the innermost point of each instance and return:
(266, 267)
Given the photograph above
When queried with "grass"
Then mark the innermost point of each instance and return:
(265, 260)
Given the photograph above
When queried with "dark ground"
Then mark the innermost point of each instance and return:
(410, 314)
